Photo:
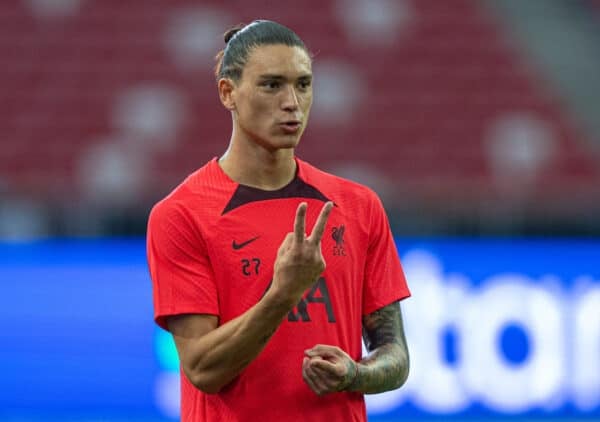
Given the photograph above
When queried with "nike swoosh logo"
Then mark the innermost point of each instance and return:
(237, 246)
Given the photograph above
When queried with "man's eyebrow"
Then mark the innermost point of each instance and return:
(281, 77)
(271, 76)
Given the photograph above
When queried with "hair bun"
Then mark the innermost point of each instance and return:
(231, 32)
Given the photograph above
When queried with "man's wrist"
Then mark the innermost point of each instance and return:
(277, 299)
(354, 381)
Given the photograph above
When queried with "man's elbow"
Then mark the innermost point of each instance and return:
(203, 381)
(403, 376)
(405, 369)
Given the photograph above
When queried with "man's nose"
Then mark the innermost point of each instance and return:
(290, 99)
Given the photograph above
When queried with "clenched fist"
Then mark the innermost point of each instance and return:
(328, 369)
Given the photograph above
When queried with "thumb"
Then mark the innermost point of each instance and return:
(323, 350)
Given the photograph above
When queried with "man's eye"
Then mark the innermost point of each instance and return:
(304, 84)
(271, 84)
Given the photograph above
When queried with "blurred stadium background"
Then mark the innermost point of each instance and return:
(477, 122)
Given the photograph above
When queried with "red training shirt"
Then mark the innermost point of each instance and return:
(211, 248)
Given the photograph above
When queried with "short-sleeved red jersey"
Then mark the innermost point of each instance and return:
(211, 246)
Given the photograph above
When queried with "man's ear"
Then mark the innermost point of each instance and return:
(226, 89)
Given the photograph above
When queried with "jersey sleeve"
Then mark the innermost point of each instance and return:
(384, 278)
(180, 268)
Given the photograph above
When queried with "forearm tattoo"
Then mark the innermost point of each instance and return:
(386, 366)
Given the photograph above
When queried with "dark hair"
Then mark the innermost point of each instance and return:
(241, 39)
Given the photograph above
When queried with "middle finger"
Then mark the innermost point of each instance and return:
(319, 228)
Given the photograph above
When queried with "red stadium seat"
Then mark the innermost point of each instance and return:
(431, 96)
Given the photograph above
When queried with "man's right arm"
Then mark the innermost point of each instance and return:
(211, 355)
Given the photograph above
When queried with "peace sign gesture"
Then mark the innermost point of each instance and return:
(299, 260)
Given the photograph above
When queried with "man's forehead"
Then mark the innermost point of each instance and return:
(279, 60)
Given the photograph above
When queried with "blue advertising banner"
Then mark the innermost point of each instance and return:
(500, 328)
(496, 329)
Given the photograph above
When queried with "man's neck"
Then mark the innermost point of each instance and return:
(259, 167)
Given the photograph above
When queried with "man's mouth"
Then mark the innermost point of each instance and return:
(291, 126)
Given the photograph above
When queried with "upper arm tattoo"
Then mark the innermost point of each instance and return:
(383, 326)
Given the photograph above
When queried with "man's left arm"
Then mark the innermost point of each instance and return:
(386, 366)
(329, 369)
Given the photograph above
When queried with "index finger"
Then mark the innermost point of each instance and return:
(300, 222)
(319, 228)
(324, 366)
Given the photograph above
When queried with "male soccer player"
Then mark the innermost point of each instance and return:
(265, 331)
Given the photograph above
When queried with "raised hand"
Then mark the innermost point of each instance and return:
(328, 369)
(299, 260)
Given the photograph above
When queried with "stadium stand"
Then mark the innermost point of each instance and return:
(105, 99)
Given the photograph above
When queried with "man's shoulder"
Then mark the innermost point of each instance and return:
(336, 185)
(202, 192)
